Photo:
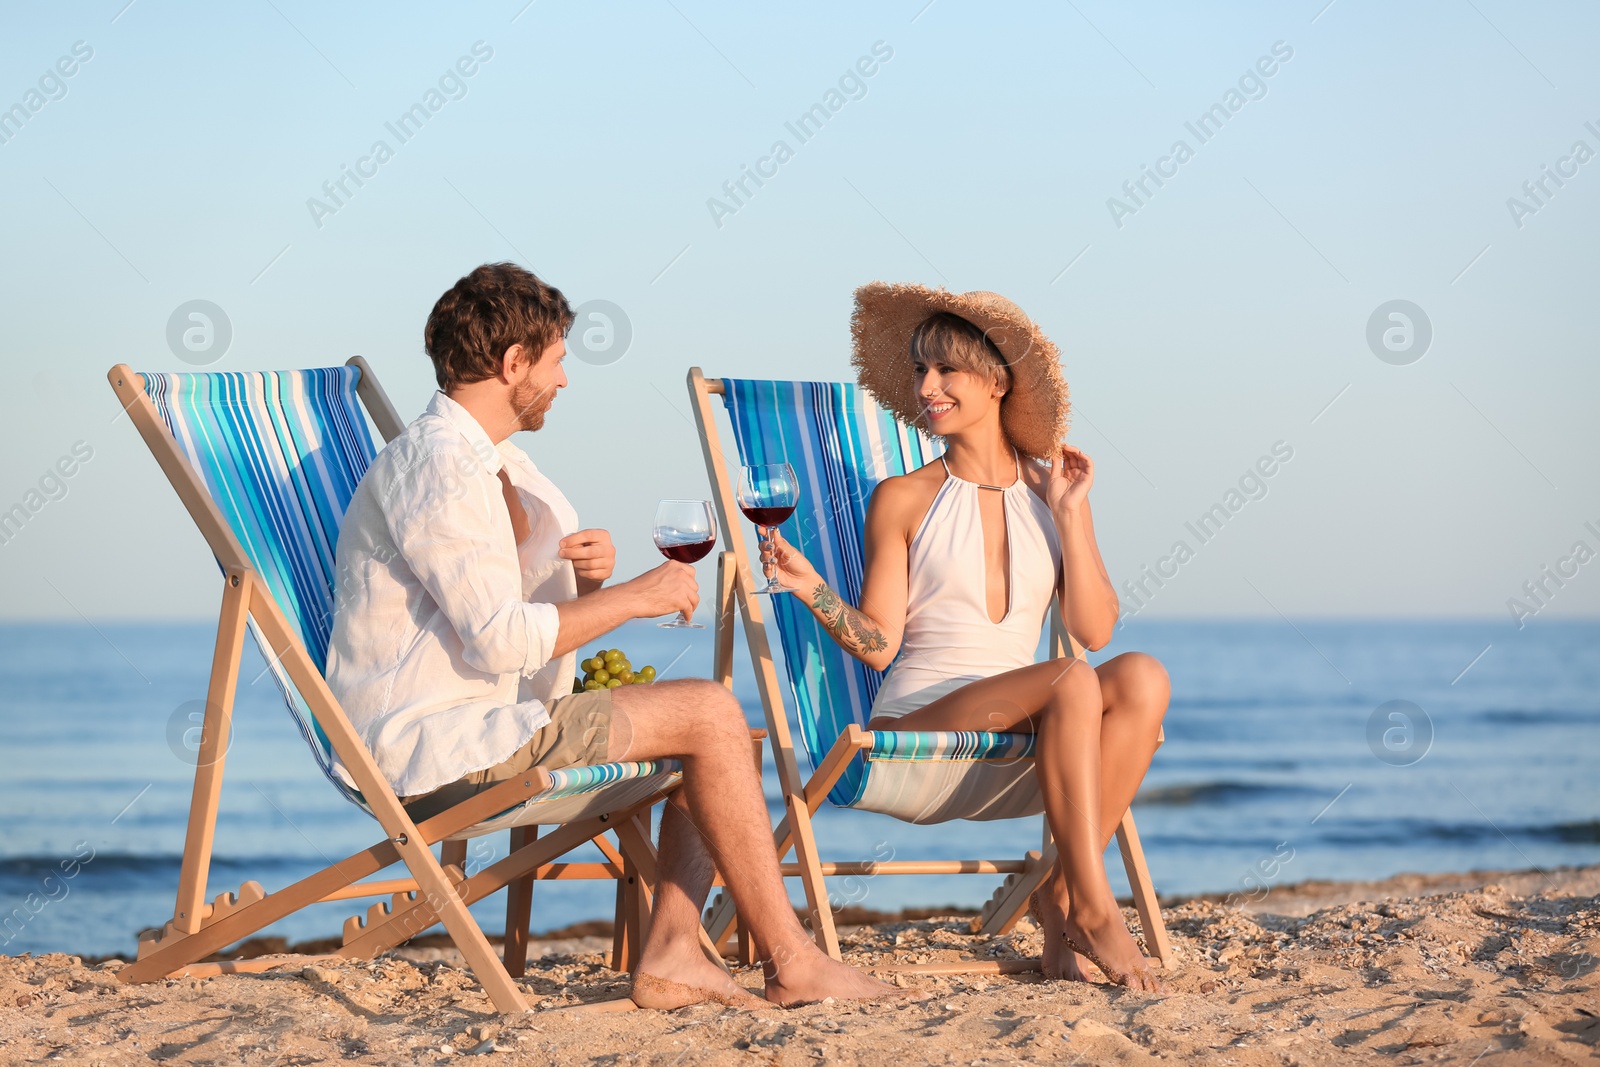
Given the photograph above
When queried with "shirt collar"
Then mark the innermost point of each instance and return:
(476, 437)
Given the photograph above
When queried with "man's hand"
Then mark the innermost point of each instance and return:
(593, 557)
(670, 587)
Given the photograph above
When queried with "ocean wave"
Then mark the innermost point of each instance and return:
(1226, 792)
(103, 864)
(1532, 716)
(1410, 831)
(1572, 833)
(1267, 700)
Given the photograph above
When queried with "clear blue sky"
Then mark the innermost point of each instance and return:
(1227, 312)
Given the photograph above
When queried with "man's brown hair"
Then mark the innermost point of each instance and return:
(952, 341)
(496, 306)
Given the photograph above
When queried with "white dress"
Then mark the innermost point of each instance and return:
(949, 638)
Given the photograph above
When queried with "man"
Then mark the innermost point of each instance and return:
(465, 588)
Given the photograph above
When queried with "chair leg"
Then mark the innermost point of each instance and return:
(721, 916)
(519, 908)
(189, 912)
(1010, 900)
(633, 904)
(453, 852)
(744, 946)
(619, 921)
(410, 915)
(233, 918)
(805, 852)
(1144, 891)
(434, 884)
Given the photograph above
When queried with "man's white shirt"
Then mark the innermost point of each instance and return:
(444, 631)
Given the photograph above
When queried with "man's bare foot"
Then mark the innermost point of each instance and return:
(807, 975)
(1049, 906)
(678, 976)
(1101, 935)
(663, 994)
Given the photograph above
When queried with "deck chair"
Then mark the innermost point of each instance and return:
(841, 445)
(266, 463)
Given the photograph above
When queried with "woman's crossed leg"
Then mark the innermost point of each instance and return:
(1096, 733)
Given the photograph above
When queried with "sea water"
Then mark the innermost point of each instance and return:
(1283, 761)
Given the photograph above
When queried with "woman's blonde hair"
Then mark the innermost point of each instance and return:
(951, 341)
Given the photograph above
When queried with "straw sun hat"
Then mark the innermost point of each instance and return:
(1034, 411)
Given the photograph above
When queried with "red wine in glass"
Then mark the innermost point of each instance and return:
(767, 495)
(688, 551)
(684, 531)
(768, 516)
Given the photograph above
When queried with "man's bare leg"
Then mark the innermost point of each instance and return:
(724, 817)
(684, 873)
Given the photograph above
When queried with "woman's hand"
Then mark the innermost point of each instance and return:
(1071, 475)
(782, 561)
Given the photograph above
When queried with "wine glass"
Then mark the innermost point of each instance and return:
(768, 493)
(684, 531)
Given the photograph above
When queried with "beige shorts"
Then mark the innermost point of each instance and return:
(578, 734)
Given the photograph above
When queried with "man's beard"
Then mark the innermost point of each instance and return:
(531, 403)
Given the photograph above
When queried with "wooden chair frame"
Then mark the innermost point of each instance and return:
(802, 797)
(439, 888)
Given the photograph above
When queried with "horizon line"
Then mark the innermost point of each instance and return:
(1184, 617)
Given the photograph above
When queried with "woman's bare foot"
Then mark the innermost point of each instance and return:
(1048, 906)
(1101, 935)
(806, 975)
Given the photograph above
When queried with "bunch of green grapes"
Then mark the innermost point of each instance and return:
(608, 669)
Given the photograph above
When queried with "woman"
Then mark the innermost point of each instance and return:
(963, 557)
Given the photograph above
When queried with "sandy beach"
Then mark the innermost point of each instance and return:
(1492, 967)
(509, 461)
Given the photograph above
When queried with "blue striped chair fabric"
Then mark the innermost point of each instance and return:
(953, 746)
(281, 454)
(842, 444)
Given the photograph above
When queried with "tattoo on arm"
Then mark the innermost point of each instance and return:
(849, 627)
